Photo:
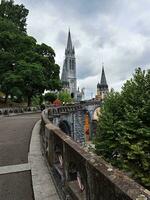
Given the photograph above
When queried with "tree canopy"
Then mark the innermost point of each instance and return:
(64, 97)
(25, 66)
(15, 13)
(50, 97)
(123, 134)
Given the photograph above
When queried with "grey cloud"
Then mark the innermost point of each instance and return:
(105, 39)
(144, 59)
(61, 38)
(85, 68)
(86, 8)
(77, 44)
(142, 26)
(111, 26)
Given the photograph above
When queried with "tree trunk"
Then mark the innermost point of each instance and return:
(29, 101)
(6, 98)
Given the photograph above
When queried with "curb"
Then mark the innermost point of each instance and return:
(43, 186)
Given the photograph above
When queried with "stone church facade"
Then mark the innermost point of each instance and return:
(68, 77)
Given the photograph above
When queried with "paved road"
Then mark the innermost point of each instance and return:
(15, 133)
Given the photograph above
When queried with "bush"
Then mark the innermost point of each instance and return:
(123, 134)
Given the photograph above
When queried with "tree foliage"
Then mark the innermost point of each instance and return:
(25, 66)
(15, 13)
(51, 97)
(64, 97)
(123, 135)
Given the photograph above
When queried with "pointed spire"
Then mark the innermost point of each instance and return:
(103, 77)
(69, 42)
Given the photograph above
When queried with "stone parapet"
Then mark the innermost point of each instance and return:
(80, 174)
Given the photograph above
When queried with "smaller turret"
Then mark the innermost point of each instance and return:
(102, 87)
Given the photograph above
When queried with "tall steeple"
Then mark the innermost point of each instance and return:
(69, 49)
(69, 42)
(68, 77)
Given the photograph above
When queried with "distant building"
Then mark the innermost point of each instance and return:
(68, 77)
(79, 95)
(102, 87)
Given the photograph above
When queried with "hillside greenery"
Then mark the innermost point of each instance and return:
(123, 133)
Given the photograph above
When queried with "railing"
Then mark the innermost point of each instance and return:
(80, 174)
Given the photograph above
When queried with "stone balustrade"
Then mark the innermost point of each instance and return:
(14, 110)
(80, 174)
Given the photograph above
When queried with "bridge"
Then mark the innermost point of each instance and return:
(58, 155)
(73, 118)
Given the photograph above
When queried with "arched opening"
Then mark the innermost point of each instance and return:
(87, 126)
(96, 113)
(95, 118)
(64, 126)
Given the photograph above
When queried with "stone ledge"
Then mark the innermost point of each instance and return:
(43, 186)
(99, 169)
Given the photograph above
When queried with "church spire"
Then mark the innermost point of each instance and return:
(69, 42)
(103, 77)
(102, 87)
(69, 69)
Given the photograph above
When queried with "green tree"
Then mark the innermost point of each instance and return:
(26, 66)
(51, 97)
(14, 46)
(51, 69)
(64, 97)
(123, 135)
(37, 100)
(15, 13)
(32, 80)
(16, 95)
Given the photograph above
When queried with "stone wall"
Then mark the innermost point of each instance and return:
(74, 116)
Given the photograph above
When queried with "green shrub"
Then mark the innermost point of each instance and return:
(123, 133)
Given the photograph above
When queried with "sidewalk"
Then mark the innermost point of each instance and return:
(43, 185)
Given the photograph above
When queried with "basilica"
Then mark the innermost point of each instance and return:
(69, 79)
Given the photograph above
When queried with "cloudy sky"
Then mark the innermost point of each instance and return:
(116, 32)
